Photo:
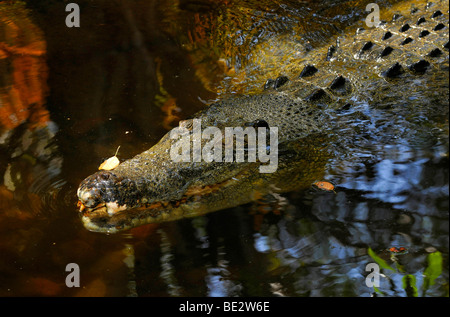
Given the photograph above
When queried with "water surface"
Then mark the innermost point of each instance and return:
(128, 75)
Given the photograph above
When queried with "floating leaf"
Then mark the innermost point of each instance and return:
(377, 290)
(382, 263)
(110, 163)
(433, 270)
(409, 285)
(324, 186)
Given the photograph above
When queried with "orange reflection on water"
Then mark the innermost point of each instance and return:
(23, 86)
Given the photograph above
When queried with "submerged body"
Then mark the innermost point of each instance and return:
(398, 69)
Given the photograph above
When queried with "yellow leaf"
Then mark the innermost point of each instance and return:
(110, 163)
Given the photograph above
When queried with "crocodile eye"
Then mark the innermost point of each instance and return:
(259, 123)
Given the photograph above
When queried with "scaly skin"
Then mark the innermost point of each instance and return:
(373, 67)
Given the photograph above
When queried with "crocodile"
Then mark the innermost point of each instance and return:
(397, 72)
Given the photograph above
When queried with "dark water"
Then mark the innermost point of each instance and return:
(123, 79)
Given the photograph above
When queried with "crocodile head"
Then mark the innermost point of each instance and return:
(389, 75)
(111, 206)
(152, 187)
(161, 184)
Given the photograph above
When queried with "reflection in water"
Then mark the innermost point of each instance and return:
(167, 269)
(219, 283)
(23, 86)
(143, 64)
(34, 168)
